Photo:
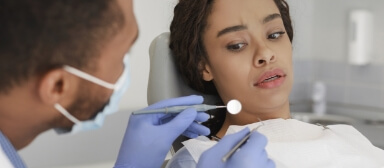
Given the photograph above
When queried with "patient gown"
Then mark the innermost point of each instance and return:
(296, 144)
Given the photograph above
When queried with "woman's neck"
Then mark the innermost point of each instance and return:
(244, 118)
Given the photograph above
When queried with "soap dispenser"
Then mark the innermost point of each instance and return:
(319, 104)
(360, 39)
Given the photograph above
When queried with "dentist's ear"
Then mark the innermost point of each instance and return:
(206, 71)
(54, 85)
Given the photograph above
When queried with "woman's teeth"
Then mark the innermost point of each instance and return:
(272, 78)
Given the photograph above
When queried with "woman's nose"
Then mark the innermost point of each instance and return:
(264, 56)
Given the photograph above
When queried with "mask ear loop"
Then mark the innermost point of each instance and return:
(88, 77)
(66, 113)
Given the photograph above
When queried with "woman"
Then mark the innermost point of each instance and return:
(242, 50)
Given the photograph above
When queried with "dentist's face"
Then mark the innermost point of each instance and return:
(249, 55)
(91, 98)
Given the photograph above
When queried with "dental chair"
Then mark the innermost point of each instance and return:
(164, 80)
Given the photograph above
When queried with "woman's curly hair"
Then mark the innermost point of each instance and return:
(187, 29)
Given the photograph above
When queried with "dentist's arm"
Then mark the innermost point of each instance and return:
(148, 139)
(252, 154)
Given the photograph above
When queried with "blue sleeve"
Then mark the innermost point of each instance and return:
(182, 159)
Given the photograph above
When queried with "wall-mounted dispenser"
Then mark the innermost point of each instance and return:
(319, 106)
(360, 42)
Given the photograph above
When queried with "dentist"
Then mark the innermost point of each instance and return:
(63, 66)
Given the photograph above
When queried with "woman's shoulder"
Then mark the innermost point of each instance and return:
(351, 133)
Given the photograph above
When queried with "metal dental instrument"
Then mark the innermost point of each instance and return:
(178, 109)
(241, 143)
(233, 107)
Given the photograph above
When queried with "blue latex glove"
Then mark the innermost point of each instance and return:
(252, 154)
(148, 137)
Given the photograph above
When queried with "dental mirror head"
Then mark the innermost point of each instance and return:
(234, 106)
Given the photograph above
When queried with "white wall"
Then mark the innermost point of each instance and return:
(301, 14)
(101, 146)
(331, 28)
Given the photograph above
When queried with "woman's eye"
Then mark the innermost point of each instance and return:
(236, 47)
(275, 35)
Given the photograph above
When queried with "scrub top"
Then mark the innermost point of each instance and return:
(9, 158)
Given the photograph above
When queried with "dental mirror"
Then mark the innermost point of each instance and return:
(234, 106)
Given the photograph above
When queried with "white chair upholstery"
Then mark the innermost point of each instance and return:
(164, 81)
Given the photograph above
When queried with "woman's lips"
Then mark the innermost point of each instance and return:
(271, 79)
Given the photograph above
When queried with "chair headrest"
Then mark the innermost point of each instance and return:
(164, 80)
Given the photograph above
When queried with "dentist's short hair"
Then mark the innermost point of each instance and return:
(40, 35)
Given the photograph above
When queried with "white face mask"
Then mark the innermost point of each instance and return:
(113, 105)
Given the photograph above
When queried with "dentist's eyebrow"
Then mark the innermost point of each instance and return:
(271, 17)
(231, 29)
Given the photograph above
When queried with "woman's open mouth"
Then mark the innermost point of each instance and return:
(271, 79)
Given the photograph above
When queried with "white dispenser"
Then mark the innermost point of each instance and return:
(319, 106)
(360, 37)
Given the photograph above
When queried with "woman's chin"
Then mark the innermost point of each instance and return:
(271, 108)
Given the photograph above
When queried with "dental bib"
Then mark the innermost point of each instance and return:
(292, 143)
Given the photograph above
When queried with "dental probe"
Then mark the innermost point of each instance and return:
(178, 109)
(241, 143)
(233, 107)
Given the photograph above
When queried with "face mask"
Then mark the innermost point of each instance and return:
(113, 105)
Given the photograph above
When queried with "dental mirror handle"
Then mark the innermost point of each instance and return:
(178, 109)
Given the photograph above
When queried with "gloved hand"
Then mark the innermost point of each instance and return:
(148, 138)
(252, 154)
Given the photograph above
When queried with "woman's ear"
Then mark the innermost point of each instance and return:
(53, 86)
(206, 70)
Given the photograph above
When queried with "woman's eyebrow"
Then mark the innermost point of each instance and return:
(231, 29)
(271, 17)
(242, 27)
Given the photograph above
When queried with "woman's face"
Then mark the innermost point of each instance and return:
(249, 54)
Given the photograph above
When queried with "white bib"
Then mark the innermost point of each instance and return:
(292, 143)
